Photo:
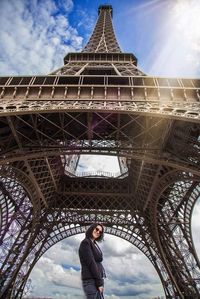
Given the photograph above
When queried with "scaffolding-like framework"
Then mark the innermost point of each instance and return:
(100, 103)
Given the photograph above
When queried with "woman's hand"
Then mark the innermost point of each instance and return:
(100, 289)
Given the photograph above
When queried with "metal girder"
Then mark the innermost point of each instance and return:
(172, 202)
(163, 97)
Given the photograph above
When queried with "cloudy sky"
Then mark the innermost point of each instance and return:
(164, 35)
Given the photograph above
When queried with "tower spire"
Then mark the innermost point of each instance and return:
(103, 37)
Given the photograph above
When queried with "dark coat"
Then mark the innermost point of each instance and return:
(91, 258)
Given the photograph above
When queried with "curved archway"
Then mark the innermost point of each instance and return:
(125, 233)
(19, 207)
(128, 269)
(174, 201)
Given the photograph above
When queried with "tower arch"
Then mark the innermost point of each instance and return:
(120, 232)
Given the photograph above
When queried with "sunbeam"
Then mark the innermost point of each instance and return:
(178, 50)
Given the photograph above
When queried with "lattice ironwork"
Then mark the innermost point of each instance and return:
(103, 39)
(99, 103)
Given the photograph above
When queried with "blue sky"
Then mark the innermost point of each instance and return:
(165, 37)
(163, 34)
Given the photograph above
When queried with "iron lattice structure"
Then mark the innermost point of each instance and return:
(99, 103)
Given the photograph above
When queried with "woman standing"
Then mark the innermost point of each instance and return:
(90, 254)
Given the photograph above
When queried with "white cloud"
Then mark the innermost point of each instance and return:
(125, 266)
(66, 5)
(58, 271)
(35, 36)
(196, 226)
(92, 163)
(51, 278)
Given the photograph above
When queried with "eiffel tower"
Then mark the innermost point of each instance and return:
(100, 103)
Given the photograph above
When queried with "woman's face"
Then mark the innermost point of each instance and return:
(96, 232)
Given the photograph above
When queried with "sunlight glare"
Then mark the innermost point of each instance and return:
(186, 13)
(177, 50)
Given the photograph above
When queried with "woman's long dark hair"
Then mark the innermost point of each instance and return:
(89, 232)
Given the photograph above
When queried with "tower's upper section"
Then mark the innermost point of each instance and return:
(103, 38)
